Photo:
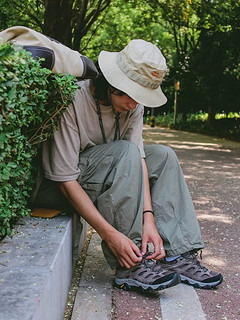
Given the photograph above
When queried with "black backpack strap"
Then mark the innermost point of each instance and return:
(42, 52)
(90, 71)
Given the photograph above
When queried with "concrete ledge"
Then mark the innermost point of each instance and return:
(36, 267)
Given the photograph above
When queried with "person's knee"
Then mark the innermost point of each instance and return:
(122, 144)
(127, 148)
(169, 152)
(133, 155)
(158, 157)
(160, 152)
(130, 155)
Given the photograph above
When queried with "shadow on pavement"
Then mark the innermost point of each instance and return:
(211, 167)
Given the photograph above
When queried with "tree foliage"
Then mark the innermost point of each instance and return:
(70, 20)
(67, 21)
(31, 99)
(199, 38)
(28, 13)
(206, 61)
(126, 20)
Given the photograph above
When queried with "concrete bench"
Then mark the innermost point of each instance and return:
(36, 267)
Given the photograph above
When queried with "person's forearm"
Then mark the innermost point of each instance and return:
(147, 203)
(150, 232)
(126, 252)
(84, 206)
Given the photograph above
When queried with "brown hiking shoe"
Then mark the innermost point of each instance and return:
(146, 276)
(192, 272)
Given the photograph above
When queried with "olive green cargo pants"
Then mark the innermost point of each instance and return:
(112, 176)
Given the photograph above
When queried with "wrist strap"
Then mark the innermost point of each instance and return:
(148, 211)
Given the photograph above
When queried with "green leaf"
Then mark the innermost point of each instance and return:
(12, 165)
(30, 95)
(5, 174)
(23, 99)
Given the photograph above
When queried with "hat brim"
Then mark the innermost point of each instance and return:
(146, 96)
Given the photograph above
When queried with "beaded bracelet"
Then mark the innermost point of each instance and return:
(148, 211)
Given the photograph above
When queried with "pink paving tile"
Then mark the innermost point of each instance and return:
(133, 305)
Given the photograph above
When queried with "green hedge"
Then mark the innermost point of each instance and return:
(31, 100)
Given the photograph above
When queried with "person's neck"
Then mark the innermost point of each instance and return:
(92, 91)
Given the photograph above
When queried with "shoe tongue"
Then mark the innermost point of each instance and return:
(193, 256)
(190, 255)
(186, 254)
(150, 263)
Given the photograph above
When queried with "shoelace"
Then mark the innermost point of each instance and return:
(194, 258)
(151, 264)
(148, 262)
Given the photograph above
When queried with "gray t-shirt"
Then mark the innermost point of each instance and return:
(79, 129)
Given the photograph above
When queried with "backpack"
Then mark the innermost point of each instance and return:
(58, 57)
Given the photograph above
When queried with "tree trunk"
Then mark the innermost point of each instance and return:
(211, 116)
(58, 19)
(68, 23)
(87, 15)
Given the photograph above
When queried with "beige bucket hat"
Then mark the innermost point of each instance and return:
(137, 70)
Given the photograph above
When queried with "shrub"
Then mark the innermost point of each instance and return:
(165, 120)
(31, 100)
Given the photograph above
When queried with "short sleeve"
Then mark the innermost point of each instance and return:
(61, 152)
(134, 131)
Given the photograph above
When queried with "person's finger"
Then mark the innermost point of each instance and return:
(161, 255)
(131, 261)
(134, 259)
(126, 265)
(136, 249)
(157, 250)
(152, 256)
(125, 261)
(129, 257)
(121, 263)
(144, 246)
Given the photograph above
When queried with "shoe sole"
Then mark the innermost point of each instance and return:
(201, 285)
(130, 284)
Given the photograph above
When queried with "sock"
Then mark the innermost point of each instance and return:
(169, 259)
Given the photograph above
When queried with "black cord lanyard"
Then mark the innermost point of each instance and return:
(117, 127)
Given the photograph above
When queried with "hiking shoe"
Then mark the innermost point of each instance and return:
(146, 277)
(192, 272)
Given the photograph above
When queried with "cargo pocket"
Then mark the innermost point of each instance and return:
(94, 173)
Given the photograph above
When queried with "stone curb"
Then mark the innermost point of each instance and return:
(36, 267)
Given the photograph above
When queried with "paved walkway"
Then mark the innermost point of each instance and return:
(212, 170)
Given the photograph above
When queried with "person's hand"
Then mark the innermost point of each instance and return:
(151, 235)
(126, 252)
